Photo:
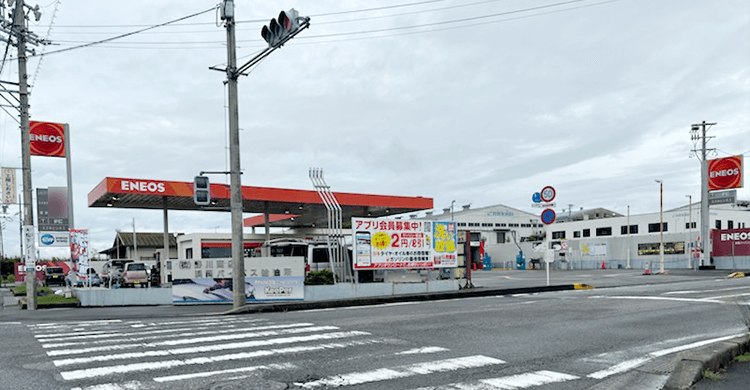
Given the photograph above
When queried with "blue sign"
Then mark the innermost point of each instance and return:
(536, 198)
(548, 216)
(47, 239)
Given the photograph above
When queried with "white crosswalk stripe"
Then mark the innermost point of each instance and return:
(125, 355)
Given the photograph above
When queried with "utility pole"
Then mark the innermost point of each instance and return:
(19, 27)
(698, 133)
(235, 181)
(281, 32)
(690, 230)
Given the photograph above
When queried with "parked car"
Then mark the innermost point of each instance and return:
(54, 275)
(113, 270)
(88, 277)
(135, 274)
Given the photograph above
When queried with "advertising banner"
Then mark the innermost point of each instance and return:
(47, 139)
(9, 186)
(266, 279)
(392, 244)
(731, 242)
(725, 173)
(79, 248)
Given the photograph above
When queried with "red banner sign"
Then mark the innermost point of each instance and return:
(47, 139)
(725, 173)
(731, 242)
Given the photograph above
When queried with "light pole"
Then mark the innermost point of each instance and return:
(690, 231)
(661, 226)
(627, 232)
(452, 202)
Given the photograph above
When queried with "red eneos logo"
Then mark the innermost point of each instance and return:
(47, 139)
(724, 173)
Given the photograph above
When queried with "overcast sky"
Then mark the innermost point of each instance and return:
(481, 102)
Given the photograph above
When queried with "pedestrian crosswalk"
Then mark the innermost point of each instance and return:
(121, 354)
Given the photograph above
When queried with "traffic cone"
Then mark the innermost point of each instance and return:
(603, 267)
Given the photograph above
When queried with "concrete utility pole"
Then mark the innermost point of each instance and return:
(690, 230)
(235, 183)
(698, 133)
(19, 27)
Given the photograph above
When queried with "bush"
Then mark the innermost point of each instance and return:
(316, 278)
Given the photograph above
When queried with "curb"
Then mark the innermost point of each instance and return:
(690, 369)
(369, 301)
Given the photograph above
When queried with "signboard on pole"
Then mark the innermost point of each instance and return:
(52, 209)
(725, 173)
(392, 244)
(9, 186)
(722, 197)
(47, 139)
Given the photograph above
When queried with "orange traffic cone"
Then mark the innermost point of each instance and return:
(603, 267)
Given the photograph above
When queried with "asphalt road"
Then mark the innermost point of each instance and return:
(624, 337)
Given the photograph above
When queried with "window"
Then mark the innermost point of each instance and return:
(486, 225)
(654, 227)
(587, 232)
(500, 237)
(476, 237)
(461, 224)
(730, 224)
(189, 253)
(528, 225)
(558, 235)
(576, 234)
(690, 225)
(718, 224)
(604, 231)
(624, 229)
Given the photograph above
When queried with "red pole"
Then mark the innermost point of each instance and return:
(467, 255)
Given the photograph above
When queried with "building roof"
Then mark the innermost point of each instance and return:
(300, 208)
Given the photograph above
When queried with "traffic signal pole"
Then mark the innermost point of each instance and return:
(235, 180)
(235, 184)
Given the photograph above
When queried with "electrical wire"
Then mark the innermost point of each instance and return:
(399, 29)
(127, 34)
(46, 38)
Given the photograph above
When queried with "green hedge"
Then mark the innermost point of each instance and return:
(316, 278)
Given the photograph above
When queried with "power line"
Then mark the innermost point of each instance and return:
(161, 44)
(127, 34)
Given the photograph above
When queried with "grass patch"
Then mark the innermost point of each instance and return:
(21, 290)
(742, 358)
(53, 299)
(714, 376)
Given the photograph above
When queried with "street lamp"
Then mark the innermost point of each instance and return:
(452, 202)
(661, 226)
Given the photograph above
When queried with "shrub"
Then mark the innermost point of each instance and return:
(316, 278)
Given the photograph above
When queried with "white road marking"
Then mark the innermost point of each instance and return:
(123, 344)
(423, 350)
(527, 380)
(285, 366)
(706, 291)
(619, 368)
(633, 363)
(382, 374)
(207, 348)
(647, 298)
(132, 385)
(165, 364)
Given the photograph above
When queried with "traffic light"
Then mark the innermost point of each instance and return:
(278, 29)
(201, 191)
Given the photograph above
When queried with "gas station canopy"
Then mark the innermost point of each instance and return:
(285, 207)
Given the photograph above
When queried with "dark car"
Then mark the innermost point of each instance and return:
(54, 275)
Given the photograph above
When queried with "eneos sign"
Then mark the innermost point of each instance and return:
(725, 173)
(47, 139)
